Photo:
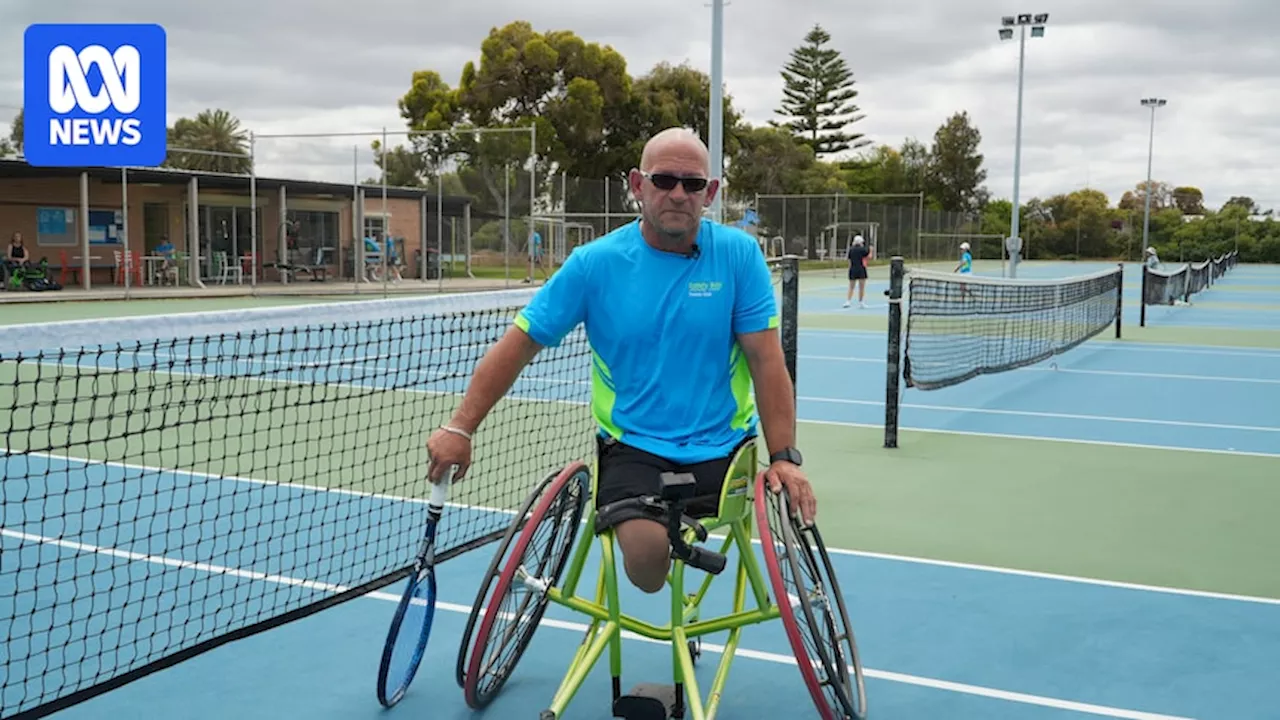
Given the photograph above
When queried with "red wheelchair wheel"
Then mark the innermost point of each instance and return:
(519, 598)
(812, 608)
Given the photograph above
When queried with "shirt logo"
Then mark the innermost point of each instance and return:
(704, 288)
(95, 95)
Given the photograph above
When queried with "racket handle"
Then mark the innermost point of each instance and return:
(440, 490)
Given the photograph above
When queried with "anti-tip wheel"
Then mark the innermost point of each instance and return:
(546, 715)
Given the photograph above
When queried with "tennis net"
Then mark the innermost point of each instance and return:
(1160, 287)
(961, 326)
(1169, 287)
(173, 483)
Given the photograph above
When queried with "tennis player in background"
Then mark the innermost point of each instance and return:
(683, 325)
(1152, 260)
(965, 266)
(859, 256)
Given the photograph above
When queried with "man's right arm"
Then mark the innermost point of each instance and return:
(493, 377)
(555, 309)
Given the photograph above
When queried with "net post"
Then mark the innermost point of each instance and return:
(1119, 298)
(790, 315)
(893, 364)
(1142, 304)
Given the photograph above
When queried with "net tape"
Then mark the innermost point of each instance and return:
(174, 483)
(962, 326)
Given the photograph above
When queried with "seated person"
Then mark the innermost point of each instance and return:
(16, 256)
(169, 270)
(675, 364)
(373, 257)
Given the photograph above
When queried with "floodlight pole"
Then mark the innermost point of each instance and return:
(1037, 23)
(716, 139)
(1152, 103)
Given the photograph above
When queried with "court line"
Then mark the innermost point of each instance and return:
(1113, 345)
(1207, 594)
(1076, 371)
(903, 678)
(1048, 438)
(1059, 416)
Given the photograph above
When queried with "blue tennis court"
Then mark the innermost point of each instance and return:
(939, 635)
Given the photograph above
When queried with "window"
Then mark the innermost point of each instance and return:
(310, 232)
(375, 226)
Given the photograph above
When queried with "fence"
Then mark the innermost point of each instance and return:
(814, 225)
(436, 205)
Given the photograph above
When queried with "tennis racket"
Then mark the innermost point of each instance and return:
(411, 625)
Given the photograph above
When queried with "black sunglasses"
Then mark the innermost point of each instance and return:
(663, 181)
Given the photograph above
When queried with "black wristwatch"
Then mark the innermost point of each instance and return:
(790, 455)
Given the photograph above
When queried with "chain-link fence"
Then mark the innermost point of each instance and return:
(818, 227)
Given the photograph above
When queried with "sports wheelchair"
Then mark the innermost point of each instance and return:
(537, 563)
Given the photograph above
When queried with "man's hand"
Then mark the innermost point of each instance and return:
(445, 448)
(783, 474)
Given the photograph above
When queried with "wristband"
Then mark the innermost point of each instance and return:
(456, 431)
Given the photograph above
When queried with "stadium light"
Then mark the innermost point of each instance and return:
(1007, 23)
(1152, 103)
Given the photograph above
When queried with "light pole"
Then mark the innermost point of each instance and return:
(716, 120)
(1152, 103)
(1007, 23)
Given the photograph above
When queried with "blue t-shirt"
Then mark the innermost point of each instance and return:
(966, 262)
(668, 375)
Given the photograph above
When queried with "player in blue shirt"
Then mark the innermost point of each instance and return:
(966, 260)
(681, 315)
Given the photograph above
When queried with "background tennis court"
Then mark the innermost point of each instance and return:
(1148, 466)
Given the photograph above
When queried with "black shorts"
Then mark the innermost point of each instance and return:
(627, 472)
(857, 272)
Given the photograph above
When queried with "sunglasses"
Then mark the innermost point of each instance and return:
(662, 181)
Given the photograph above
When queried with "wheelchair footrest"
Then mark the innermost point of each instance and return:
(647, 701)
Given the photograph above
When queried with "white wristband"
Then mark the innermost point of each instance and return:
(456, 431)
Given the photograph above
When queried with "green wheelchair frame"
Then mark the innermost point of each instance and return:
(564, 498)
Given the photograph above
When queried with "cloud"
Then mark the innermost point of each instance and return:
(323, 65)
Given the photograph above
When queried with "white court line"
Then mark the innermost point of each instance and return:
(1111, 345)
(1058, 416)
(1075, 371)
(1047, 438)
(835, 551)
(580, 628)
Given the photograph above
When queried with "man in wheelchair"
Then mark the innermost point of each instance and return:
(681, 314)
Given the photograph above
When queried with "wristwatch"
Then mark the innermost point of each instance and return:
(790, 455)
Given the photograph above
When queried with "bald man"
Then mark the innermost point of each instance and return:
(681, 314)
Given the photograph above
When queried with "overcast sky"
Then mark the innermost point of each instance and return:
(327, 66)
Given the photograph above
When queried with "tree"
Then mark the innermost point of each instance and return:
(404, 167)
(1161, 197)
(818, 97)
(955, 171)
(576, 94)
(889, 170)
(768, 161)
(213, 131)
(13, 144)
(1247, 203)
(1190, 200)
(671, 96)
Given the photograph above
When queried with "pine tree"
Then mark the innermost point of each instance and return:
(818, 97)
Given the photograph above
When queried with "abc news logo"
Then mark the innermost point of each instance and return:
(69, 91)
